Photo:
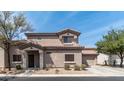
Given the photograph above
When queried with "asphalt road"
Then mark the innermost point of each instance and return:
(117, 78)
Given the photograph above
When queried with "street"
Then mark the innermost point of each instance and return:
(111, 78)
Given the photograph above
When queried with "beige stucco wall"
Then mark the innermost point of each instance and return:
(54, 40)
(57, 58)
(48, 41)
(15, 51)
(2, 65)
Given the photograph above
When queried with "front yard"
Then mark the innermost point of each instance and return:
(60, 71)
(92, 71)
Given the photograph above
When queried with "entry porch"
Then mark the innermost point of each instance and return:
(32, 58)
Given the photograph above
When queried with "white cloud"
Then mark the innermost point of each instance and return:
(46, 19)
(104, 30)
(91, 37)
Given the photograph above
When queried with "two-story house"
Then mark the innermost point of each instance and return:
(40, 50)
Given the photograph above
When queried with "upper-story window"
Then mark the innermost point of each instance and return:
(67, 39)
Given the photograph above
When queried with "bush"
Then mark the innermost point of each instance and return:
(47, 68)
(83, 66)
(76, 67)
(56, 71)
(2, 72)
(18, 67)
(67, 67)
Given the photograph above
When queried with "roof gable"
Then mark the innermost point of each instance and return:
(54, 33)
(69, 31)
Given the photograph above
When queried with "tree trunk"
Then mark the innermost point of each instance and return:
(121, 64)
(7, 44)
(121, 56)
(114, 63)
(106, 63)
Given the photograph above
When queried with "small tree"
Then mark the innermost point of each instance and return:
(112, 43)
(12, 25)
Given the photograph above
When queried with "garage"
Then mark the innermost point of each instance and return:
(89, 56)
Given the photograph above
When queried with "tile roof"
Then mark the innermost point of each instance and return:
(65, 47)
(89, 51)
(53, 33)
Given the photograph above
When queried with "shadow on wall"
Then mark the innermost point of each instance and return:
(48, 61)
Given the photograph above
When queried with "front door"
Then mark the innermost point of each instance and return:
(30, 61)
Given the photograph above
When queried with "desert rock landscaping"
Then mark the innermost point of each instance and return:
(60, 71)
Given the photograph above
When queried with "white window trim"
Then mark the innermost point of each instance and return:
(16, 62)
(69, 43)
(69, 62)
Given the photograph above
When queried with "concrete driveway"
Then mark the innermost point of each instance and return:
(106, 71)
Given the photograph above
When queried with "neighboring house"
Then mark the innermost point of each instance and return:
(101, 58)
(40, 50)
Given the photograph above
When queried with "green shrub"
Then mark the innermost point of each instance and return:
(76, 67)
(67, 67)
(83, 66)
(18, 67)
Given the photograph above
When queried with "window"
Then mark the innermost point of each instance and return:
(67, 39)
(69, 57)
(16, 57)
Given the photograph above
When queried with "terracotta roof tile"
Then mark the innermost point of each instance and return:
(90, 51)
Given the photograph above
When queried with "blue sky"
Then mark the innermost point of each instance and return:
(92, 25)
